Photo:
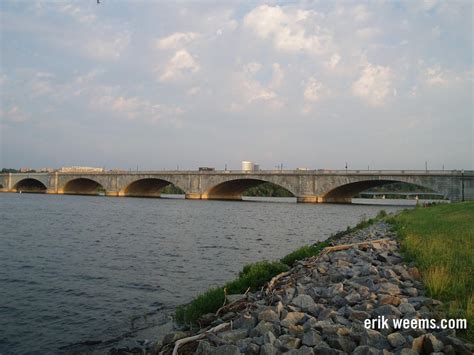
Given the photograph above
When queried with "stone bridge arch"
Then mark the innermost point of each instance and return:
(26, 180)
(145, 187)
(343, 190)
(233, 188)
(30, 185)
(83, 186)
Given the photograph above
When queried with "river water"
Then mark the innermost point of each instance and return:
(82, 269)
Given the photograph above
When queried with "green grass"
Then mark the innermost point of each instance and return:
(304, 252)
(440, 240)
(252, 276)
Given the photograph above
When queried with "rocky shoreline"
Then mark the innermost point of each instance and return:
(321, 306)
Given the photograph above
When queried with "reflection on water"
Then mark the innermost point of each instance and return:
(80, 268)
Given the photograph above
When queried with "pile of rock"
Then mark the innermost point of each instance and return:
(322, 306)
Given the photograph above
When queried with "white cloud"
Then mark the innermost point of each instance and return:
(334, 61)
(133, 108)
(15, 114)
(252, 68)
(40, 84)
(254, 91)
(277, 76)
(361, 13)
(78, 14)
(107, 48)
(427, 5)
(374, 85)
(290, 30)
(435, 76)
(313, 90)
(250, 91)
(368, 33)
(93, 36)
(87, 77)
(176, 40)
(180, 64)
(195, 90)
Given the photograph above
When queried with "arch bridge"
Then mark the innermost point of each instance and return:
(310, 186)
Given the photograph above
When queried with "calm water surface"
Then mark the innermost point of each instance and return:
(75, 269)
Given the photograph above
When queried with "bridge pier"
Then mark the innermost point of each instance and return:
(192, 196)
(308, 199)
(337, 200)
(112, 193)
(198, 196)
(222, 197)
(322, 199)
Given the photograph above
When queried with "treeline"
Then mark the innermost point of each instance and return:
(4, 171)
(267, 189)
(399, 187)
(172, 190)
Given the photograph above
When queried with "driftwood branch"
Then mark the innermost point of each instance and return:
(274, 280)
(183, 341)
(350, 246)
(230, 305)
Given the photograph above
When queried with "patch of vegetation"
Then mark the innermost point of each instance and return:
(252, 276)
(172, 190)
(304, 252)
(267, 189)
(8, 170)
(399, 187)
(364, 223)
(208, 302)
(440, 240)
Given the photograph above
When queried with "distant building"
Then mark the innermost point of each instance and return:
(206, 168)
(24, 170)
(249, 166)
(46, 170)
(302, 169)
(80, 169)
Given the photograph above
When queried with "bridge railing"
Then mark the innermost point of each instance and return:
(295, 171)
(279, 172)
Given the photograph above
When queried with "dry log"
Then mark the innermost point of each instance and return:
(350, 246)
(183, 341)
(274, 280)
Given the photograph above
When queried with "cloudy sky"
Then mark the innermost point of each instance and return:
(385, 84)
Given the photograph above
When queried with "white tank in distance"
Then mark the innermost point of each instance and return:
(247, 166)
